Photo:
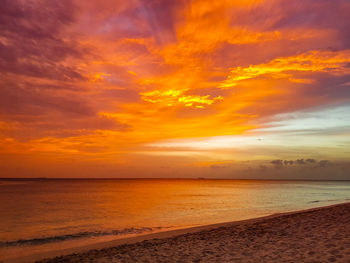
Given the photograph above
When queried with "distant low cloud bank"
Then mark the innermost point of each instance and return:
(279, 163)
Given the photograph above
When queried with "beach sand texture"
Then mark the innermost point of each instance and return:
(318, 235)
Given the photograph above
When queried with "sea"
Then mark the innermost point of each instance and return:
(43, 215)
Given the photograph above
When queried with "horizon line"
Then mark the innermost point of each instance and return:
(162, 178)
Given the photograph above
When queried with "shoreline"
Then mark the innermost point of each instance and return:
(167, 235)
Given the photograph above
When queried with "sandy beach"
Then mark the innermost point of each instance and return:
(314, 235)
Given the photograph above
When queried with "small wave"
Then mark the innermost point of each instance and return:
(87, 234)
(315, 201)
(329, 200)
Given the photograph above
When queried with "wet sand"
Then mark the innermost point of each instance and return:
(314, 235)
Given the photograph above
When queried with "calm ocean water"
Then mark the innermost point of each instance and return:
(41, 215)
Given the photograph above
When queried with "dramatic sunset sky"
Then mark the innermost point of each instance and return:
(162, 88)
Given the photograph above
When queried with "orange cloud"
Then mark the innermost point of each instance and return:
(314, 61)
(170, 97)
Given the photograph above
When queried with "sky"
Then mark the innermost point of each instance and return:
(159, 88)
